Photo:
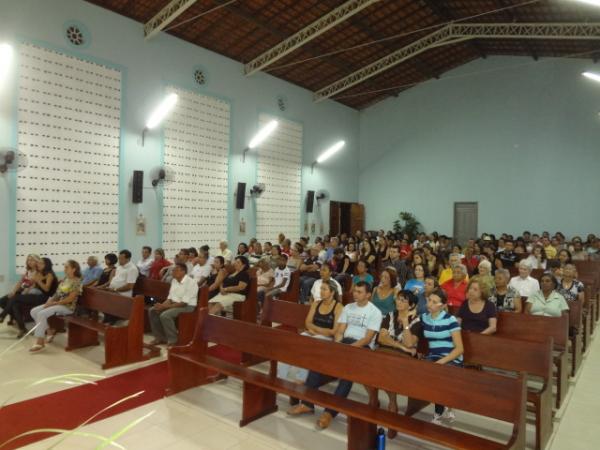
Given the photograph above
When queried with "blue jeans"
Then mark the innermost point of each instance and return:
(306, 284)
(315, 380)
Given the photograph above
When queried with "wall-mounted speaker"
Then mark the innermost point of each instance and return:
(138, 186)
(240, 196)
(310, 201)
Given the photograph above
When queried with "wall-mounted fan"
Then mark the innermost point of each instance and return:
(162, 175)
(322, 195)
(257, 190)
(11, 160)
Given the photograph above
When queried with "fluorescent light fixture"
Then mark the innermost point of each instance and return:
(6, 56)
(159, 114)
(263, 134)
(592, 76)
(330, 151)
(589, 2)
(328, 154)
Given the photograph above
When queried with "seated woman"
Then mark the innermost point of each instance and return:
(243, 250)
(158, 264)
(384, 295)
(477, 314)
(256, 254)
(484, 275)
(62, 303)
(361, 273)
(547, 301)
(569, 287)
(24, 283)
(234, 287)
(564, 256)
(430, 285)
(383, 251)
(110, 265)
(394, 328)
(44, 286)
(537, 259)
(416, 285)
(442, 332)
(325, 274)
(216, 277)
(352, 253)
(275, 253)
(430, 258)
(368, 253)
(505, 297)
(295, 260)
(321, 322)
(264, 275)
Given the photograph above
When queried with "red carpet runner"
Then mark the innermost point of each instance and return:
(69, 408)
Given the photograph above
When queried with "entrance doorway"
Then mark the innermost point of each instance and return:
(465, 221)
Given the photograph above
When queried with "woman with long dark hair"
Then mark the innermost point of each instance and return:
(44, 286)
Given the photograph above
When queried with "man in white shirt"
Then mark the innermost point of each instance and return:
(225, 252)
(182, 298)
(524, 284)
(281, 280)
(126, 275)
(145, 263)
(201, 270)
(357, 326)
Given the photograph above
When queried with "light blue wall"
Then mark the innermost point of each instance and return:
(148, 66)
(521, 138)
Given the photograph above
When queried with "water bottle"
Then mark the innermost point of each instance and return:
(380, 439)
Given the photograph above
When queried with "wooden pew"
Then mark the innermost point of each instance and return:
(499, 397)
(576, 330)
(293, 291)
(147, 287)
(527, 327)
(122, 344)
(533, 358)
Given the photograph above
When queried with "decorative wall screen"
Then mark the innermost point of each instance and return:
(196, 153)
(280, 169)
(69, 114)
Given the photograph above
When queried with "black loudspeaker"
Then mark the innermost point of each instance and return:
(138, 186)
(310, 201)
(240, 196)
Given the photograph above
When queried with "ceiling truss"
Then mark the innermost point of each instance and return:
(454, 33)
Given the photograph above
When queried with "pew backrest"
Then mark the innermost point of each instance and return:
(486, 394)
(108, 302)
(528, 327)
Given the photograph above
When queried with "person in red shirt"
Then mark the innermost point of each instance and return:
(159, 262)
(456, 288)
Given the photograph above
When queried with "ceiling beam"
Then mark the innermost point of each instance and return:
(458, 32)
(512, 16)
(165, 16)
(307, 34)
(447, 15)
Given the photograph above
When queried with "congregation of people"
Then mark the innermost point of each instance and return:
(402, 290)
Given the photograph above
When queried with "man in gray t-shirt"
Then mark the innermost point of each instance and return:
(357, 326)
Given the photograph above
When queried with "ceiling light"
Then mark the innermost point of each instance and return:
(161, 111)
(260, 137)
(592, 76)
(6, 57)
(328, 153)
(263, 134)
(589, 2)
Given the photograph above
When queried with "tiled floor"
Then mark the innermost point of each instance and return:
(207, 417)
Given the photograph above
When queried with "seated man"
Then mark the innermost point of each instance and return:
(92, 273)
(524, 283)
(342, 266)
(446, 273)
(126, 274)
(183, 297)
(398, 264)
(357, 326)
(201, 270)
(309, 273)
(145, 263)
(280, 282)
(508, 256)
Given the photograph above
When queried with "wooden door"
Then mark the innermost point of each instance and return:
(357, 218)
(334, 218)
